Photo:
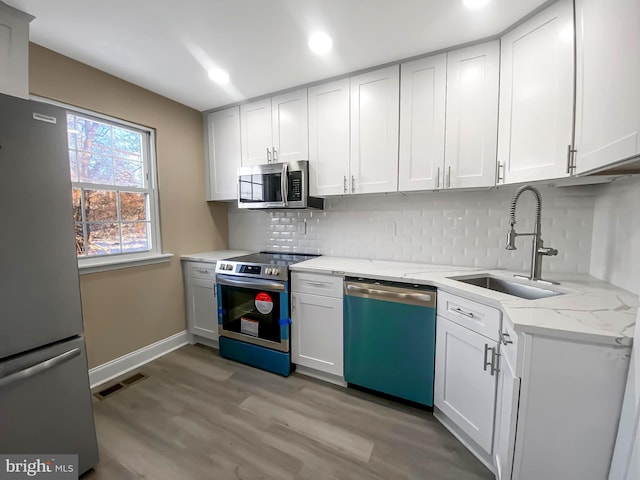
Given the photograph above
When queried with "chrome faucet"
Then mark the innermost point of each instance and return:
(538, 249)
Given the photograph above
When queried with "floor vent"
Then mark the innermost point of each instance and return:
(121, 385)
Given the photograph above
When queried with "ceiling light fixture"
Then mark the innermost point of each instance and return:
(218, 75)
(320, 43)
(473, 4)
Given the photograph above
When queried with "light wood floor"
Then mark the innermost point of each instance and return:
(199, 416)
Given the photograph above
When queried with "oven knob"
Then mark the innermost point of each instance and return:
(228, 266)
(267, 271)
(275, 271)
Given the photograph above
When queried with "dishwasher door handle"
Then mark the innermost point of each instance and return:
(392, 294)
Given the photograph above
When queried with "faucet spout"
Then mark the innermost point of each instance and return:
(537, 248)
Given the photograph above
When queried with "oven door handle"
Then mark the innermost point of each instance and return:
(253, 283)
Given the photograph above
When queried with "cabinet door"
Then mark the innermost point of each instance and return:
(223, 154)
(464, 391)
(608, 75)
(255, 132)
(375, 99)
(202, 308)
(506, 418)
(472, 116)
(422, 117)
(14, 51)
(316, 332)
(290, 126)
(536, 96)
(329, 138)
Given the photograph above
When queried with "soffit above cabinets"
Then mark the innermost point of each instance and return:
(168, 47)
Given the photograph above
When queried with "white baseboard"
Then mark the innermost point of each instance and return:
(119, 366)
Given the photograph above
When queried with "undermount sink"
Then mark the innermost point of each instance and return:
(510, 287)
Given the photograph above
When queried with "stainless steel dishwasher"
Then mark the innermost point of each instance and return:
(389, 338)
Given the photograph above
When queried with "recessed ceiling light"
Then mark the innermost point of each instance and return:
(473, 4)
(320, 43)
(218, 75)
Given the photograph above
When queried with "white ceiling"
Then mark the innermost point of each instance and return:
(168, 46)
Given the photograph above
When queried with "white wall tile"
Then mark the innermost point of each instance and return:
(449, 227)
(615, 256)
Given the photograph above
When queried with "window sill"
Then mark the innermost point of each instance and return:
(94, 265)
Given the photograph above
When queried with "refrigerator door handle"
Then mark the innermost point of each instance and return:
(38, 367)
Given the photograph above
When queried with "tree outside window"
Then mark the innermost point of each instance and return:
(111, 189)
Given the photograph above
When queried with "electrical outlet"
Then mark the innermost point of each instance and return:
(390, 229)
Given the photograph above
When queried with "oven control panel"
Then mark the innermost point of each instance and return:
(250, 270)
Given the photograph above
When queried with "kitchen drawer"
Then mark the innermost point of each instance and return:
(317, 284)
(200, 270)
(475, 316)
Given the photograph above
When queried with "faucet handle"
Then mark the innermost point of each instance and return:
(548, 251)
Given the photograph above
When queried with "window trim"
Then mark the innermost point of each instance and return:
(100, 263)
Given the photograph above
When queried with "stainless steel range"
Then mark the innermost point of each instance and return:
(253, 309)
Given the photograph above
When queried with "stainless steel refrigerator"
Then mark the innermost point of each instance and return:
(45, 402)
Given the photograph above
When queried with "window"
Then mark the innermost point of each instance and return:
(114, 197)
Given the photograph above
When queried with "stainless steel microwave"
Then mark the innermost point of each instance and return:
(276, 185)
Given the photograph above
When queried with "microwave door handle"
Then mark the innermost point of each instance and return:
(285, 183)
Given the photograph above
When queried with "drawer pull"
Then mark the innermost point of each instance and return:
(316, 284)
(486, 353)
(202, 270)
(462, 312)
(505, 339)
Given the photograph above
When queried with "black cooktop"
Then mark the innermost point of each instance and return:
(273, 258)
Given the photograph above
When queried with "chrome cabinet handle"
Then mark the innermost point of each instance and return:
(293, 303)
(275, 154)
(487, 363)
(438, 178)
(345, 184)
(268, 155)
(505, 338)
(462, 312)
(449, 178)
(500, 177)
(495, 361)
(203, 270)
(316, 284)
(353, 184)
(492, 363)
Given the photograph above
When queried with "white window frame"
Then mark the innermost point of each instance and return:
(124, 260)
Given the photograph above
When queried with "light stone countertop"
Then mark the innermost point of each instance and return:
(213, 257)
(590, 310)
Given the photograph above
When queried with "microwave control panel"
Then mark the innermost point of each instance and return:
(295, 186)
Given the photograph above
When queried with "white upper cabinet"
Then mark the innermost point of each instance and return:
(275, 129)
(14, 51)
(422, 120)
(223, 153)
(472, 116)
(329, 138)
(290, 127)
(374, 131)
(536, 97)
(607, 83)
(256, 133)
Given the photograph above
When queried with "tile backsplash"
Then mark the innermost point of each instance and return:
(615, 255)
(466, 228)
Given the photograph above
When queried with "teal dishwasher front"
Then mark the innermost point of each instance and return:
(389, 338)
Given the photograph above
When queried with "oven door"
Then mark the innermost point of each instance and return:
(254, 311)
(263, 186)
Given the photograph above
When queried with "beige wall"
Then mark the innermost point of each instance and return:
(130, 308)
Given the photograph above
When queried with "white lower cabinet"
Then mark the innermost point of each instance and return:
(200, 299)
(467, 364)
(464, 390)
(316, 323)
